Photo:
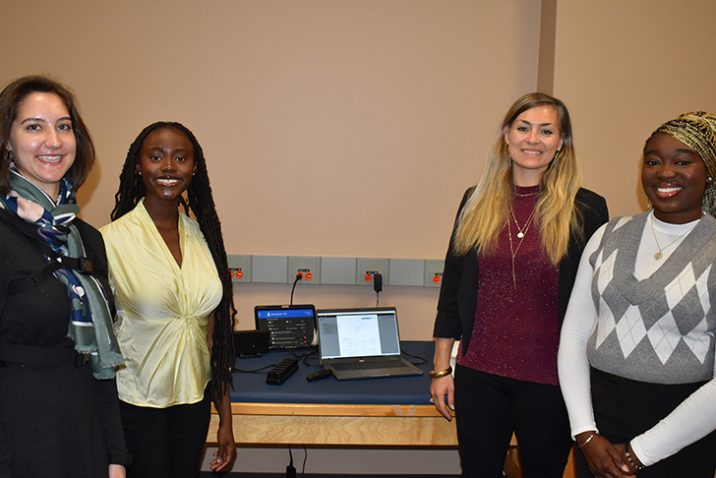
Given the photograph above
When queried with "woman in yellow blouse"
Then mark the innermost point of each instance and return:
(175, 306)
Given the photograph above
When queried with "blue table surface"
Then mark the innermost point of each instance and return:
(252, 387)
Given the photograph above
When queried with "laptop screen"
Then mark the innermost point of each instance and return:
(290, 326)
(367, 332)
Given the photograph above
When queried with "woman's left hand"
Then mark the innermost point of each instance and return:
(226, 453)
(603, 458)
(626, 467)
(117, 471)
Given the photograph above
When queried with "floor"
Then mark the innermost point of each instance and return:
(298, 475)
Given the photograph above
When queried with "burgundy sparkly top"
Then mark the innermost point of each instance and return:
(516, 332)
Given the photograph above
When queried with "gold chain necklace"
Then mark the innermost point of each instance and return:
(659, 254)
(513, 250)
(521, 231)
(526, 195)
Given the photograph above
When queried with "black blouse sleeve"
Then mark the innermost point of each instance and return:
(5, 456)
(593, 211)
(108, 406)
(447, 321)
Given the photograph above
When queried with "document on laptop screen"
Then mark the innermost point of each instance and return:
(359, 335)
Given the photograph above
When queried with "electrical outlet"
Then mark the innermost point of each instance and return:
(239, 268)
(366, 268)
(433, 273)
(310, 267)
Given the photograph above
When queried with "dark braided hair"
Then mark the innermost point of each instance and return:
(201, 204)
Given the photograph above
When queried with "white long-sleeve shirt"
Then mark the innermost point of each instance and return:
(694, 418)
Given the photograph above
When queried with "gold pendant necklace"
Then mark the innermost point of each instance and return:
(520, 236)
(659, 254)
(521, 231)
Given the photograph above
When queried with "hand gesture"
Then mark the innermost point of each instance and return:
(226, 453)
(604, 459)
(442, 391)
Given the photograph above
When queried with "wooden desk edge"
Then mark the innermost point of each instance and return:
(423, 412)
(333, 410)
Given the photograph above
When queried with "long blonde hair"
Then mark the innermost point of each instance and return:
(486, 211)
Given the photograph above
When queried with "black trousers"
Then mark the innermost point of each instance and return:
(51, 422)
(166, 442)
(489, 408)
(626, 408)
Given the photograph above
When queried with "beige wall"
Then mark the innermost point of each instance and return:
(624, 68)
(338, 119)
(357, 124)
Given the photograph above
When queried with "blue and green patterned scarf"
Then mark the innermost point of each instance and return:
(90, 322)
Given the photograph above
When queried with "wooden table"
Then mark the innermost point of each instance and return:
(271, 421)
(339, 425)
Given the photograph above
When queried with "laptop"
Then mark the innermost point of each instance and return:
(289, 326)
(362, 343)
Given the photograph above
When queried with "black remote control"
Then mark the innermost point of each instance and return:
(318, 375)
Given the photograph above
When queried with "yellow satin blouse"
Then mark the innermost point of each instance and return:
(162, 309)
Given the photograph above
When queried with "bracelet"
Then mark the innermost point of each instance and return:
(630, 459)
(440, 373)
(587, 440)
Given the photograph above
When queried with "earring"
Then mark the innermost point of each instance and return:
(709, 180)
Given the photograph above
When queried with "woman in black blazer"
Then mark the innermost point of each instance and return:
(59, 412)
(509, 270)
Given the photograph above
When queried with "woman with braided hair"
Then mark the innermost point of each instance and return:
(636, 356)
(175, 309)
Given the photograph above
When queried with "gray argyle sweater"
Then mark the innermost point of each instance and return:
(661, 329)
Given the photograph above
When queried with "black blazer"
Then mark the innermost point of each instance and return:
(458, 293)
(38, 317)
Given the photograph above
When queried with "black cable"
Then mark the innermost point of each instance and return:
(305, 457)
(304, 357)
(290, 470)
(257, 370)
(299, 276)
(420, 360)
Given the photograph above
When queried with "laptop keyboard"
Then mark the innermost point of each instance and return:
(372, 364)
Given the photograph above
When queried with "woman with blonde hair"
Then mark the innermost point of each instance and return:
(509, 270)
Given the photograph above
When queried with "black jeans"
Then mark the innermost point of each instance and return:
(166, 442)
(489, 408)
(626, 408)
